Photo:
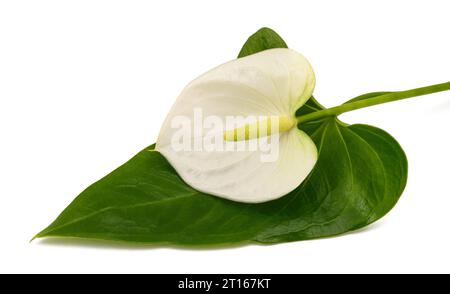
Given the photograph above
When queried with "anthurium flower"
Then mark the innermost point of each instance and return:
(261, 155)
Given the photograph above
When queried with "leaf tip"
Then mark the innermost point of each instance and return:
(35, 237)
(41, 234)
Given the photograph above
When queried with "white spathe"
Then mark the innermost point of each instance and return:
(274, 82)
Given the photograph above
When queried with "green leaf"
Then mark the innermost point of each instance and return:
(263, 39)
(359, 176)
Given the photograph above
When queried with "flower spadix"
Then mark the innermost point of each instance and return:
(232, 131)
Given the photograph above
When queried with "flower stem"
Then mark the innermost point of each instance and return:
(337, 110)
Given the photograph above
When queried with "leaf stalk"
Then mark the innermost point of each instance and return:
(390, 97)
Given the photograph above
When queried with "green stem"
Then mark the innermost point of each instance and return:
(337, 110)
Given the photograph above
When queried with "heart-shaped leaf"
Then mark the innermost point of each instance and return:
(359, 176)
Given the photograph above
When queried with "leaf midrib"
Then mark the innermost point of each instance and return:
(95, 213)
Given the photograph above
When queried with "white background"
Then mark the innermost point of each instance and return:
(84, 85)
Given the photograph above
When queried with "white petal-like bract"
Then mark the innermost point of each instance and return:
(270, 84)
